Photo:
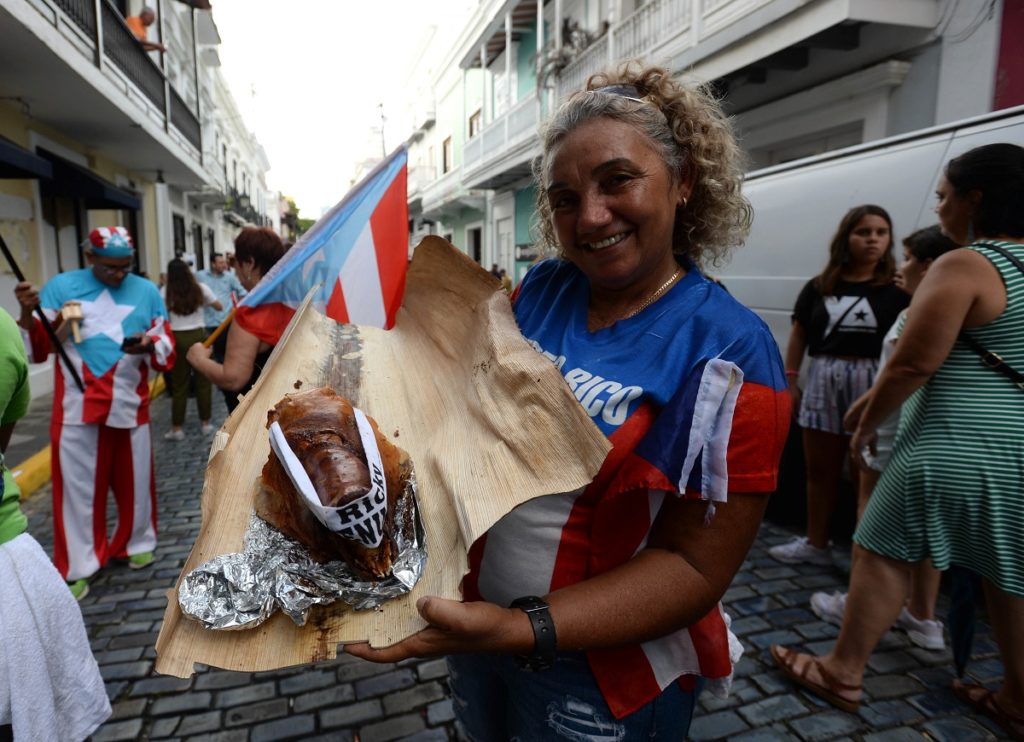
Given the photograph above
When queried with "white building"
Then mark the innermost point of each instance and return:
(96, 131)
(800, 76)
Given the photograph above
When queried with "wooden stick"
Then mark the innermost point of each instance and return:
(57, 344)
(216, 333)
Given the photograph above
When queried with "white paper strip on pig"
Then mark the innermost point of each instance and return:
(361, 519)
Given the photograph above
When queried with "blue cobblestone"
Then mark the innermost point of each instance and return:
(882, 714)
(722, 725)
(826, 725)
(772, 709)
(955, 729)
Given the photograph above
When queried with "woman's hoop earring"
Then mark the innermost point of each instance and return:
(684, 202)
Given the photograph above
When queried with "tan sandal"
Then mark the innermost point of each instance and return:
(828, 690)
(983, 701)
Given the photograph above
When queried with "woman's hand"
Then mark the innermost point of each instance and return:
(457, 628)
(854, 412)
(795, 395)
(863, 438)
(198, 353)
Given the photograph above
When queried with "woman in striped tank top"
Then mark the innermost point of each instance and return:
(952, 491)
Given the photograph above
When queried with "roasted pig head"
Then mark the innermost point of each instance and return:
(321, 429)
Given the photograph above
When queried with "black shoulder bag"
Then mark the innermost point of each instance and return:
(993, 360)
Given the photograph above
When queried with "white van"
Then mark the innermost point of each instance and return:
(798, 205)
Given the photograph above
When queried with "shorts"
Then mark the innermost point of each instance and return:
(833, 384)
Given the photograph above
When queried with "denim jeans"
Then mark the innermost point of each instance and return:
(495, 700)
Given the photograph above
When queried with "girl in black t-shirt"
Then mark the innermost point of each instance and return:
(840, 319)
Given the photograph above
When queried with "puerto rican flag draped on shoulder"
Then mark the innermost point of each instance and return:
(357, 253)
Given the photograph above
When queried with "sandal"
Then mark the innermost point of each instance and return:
(829, 689)
(983, 701)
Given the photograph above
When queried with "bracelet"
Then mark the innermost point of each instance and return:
(791, 373)
(543, 655)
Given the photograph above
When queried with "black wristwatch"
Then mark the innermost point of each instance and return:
(544, 641)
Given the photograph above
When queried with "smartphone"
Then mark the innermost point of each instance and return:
(130, 341)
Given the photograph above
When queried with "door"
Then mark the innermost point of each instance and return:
(505, 244)
(474, 244)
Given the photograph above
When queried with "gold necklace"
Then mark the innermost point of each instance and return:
(655, 296)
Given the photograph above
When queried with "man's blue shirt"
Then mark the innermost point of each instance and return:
(223, 286)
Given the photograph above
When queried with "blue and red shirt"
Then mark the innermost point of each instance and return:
(693, 396)
(116, 383)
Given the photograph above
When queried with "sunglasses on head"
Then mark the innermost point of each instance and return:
(623, 91)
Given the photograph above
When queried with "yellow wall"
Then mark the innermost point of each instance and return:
(20, 235)
(24, 235)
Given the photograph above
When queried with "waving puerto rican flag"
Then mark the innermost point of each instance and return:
(357, 253)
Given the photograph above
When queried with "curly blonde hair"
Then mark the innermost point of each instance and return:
(688, 128)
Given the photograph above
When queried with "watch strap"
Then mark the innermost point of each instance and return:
(544, 639)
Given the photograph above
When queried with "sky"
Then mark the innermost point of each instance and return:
(308, 77)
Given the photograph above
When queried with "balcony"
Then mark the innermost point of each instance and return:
(716, 38)
(447, 196)
(501, 154)
(87, 76)
(239, 211)
(420, 176)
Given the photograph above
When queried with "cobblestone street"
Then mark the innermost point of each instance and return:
(907, 695)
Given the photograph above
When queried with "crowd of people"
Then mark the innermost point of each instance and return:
(908, 381)
(944, 488)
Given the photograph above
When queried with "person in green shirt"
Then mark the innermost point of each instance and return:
(50, 685)
(14, 399)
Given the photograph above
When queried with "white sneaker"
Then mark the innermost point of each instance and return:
(923, 632)
(800, 551)
(174, 435)
(829, 608)
(206, 429)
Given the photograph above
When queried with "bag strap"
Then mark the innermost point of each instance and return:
(1006, 254)
(993, 360)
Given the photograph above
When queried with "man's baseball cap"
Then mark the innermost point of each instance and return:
(111, 242)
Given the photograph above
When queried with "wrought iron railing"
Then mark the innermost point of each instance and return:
(184, 120)
(123, 49)
(120, 47)
(81, 12)
(240, 204)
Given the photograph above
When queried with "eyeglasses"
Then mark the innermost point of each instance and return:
(623, 91)
(114, 270)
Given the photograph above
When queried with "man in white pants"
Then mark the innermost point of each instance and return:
(100, 438)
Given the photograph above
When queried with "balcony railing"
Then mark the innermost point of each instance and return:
(658, 29)
(519, 123)
(419, 177)
(442, 190)
(183, 119)
(642, 31)
(240, 205)
(120, 47)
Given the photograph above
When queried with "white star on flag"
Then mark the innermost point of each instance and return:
(104, 317)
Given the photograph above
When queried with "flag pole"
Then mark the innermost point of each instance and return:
(46, 323)
(220, 328)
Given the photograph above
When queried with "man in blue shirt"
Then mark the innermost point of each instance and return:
(224, 283)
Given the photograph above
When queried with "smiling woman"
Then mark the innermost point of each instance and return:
(638, 184)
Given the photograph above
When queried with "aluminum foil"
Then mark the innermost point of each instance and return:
(242, 590)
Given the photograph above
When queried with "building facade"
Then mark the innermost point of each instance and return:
(800, 77)
(94, 130)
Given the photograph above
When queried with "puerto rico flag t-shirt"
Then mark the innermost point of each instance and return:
(692, 394)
